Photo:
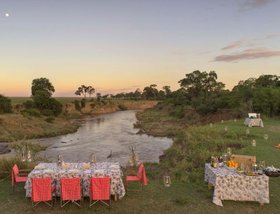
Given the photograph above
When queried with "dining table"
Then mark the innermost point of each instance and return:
(229, 184)
(251, 122)
(84, 171)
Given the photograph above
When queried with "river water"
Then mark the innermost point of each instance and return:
(105, 133)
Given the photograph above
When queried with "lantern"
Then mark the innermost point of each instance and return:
(254, 143)
(167, 181)
(93, 158)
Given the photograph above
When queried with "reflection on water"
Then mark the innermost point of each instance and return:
(104, 133)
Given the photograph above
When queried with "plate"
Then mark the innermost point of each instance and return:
(251, 174)
(74, 171)
(39, 167)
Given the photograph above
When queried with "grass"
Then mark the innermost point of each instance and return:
(155, 198)
(16, 127)
(190, 196)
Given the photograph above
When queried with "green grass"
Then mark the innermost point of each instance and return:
(155, 198)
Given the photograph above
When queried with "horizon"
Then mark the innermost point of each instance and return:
(121, 46)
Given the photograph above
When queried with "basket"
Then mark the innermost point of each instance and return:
(272, 174)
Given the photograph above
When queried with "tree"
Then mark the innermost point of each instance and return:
(84, 90)
(5, 104)
(42, 85)
(90, 90)
(201, 83)
(167, 90)
(98, 97)
(150, 92)
(42, 90)
(268, 81)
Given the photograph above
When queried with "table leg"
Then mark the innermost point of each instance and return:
(115, 197)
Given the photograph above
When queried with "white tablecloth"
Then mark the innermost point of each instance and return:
(250, 122)
(231, 185)
(52, 170)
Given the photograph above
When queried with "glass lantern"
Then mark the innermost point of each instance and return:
(254, 143)
(167, 181)
(247, 131)
(29, 157)
(59, 160)
(93, 159)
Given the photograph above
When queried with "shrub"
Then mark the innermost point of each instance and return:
(122, 107)
(5, 105)
(77, 105)
(55, 106)
(31, 112)
(50, 119)
(29, 104)
(83, 103)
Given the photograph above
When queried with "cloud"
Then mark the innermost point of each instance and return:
(248, 54)
(247, 4)
(236, 44)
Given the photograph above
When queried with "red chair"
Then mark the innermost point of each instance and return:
(16, 178)
(140, 177)
(100, 190)
(41, 191)
(70, 190)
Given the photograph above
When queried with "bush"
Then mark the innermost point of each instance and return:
(77, 105)
(178, 113)
(5, 105)
(83, 103)
(31, 112)
(29, 104)
(122, 107)
(55, 106)
(50, 119)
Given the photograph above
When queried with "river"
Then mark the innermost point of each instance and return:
(105, 133)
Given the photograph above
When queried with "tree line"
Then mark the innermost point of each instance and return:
(200, 90)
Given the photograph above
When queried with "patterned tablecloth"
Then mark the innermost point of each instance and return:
(250, 122)
(231, 185)
(52, 170)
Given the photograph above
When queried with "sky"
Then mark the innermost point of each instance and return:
(121, 45)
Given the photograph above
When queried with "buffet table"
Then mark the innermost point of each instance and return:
(250, 122)
(81, 170)
(232, 185)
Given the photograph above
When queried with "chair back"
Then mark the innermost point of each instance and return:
(15, 172)
(252, 115)
(141, 174)
(41, 189)
(246, 160)
(70, 188)
(100, 188)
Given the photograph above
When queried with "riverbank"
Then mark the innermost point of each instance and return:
(17, 126)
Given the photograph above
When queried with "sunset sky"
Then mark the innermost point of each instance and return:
(122, 45)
